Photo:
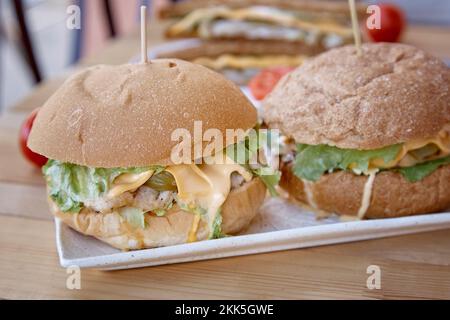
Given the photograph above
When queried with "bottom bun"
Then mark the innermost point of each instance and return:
(392, 195)
(238, 210)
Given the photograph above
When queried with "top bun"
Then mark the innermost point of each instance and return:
(123, 116)
(392, 93)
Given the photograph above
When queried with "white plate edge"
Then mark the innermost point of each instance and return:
(261, 242)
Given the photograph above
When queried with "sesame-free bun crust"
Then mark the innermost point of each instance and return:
(124, 116)
(392, 195)
(238, 210)
(392, 93)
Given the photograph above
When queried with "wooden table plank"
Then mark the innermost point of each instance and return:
(24, 201)
(336, 272)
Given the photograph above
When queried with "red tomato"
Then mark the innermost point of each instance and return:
(264, 82)
(392, 24)
(34, 158)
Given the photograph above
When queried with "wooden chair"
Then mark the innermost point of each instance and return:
(109, 14)
(109, 18)
(28, 51)
(27, 46)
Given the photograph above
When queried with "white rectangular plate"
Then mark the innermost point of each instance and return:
(279, 226)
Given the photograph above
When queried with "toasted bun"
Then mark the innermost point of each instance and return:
(124, 116)
(392, 93)
(215, 48)
(181, 8)
(392, 195)
(239, 209)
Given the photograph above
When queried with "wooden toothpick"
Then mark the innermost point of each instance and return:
(355, 27)
(144, 58)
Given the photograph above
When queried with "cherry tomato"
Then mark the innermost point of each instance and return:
(264, 82)
(392, 24)
(32, 157)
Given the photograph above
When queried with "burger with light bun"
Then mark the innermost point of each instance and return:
(108, 134)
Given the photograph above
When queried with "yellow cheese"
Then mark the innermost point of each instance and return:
(247, 62)
(192, 237)
(205, 186)
(367, 194)
(309, 194)
(127, 182)
(288, 20)
(264, 14)
(405, 158)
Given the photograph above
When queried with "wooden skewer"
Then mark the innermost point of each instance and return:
(144, 58)
(355, 27)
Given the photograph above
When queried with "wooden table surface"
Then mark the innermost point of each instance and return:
(414, 266)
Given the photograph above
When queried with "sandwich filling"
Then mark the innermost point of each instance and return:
(156, 190)
(415, 160)
(264, 23)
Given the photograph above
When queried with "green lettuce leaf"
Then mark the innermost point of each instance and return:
(161, 212)
(190, 207)
(270, 177)
(71, 185)
(217, 227)
(312, 162)
(420, 171)
(134, 216)
(246, 150)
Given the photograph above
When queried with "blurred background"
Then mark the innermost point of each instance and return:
(36, 45)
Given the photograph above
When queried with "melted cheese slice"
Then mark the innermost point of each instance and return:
(127, 182)
(246, 62)
(367, 194)
(266, 14)
(192, 236)
(309, 194)
(405, 158)
(205, 186)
